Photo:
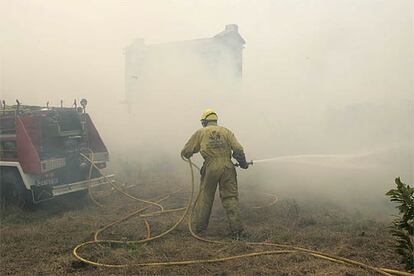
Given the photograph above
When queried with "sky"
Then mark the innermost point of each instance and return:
(66, 49)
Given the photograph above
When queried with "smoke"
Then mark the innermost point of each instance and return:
(326, 78)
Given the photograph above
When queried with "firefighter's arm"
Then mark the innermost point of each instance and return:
(192, 146)
(238, 152)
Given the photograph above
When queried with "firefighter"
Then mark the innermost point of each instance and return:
(217, 145)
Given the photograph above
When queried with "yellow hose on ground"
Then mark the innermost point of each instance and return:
(188, 211)
(119, 189)
(92, 161)
(124, 218)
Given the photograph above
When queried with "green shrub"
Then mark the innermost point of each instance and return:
(403, 226)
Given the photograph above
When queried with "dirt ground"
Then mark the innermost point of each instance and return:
(40, 242)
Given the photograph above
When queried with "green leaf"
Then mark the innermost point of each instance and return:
(402, 228)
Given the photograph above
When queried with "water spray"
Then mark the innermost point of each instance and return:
(330, 160)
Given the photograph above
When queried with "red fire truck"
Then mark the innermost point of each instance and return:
(43, 150)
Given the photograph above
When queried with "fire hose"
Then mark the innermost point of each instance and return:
(188, 210)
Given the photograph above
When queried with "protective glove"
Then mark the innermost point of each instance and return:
(241, 158)
(244, 165)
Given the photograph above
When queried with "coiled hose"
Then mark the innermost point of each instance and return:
(188, 210)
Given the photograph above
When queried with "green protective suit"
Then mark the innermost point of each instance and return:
(216, 144)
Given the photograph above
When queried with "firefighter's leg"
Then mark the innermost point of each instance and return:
(209, 180)
(229, 198)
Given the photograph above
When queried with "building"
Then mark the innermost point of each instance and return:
(153, 68)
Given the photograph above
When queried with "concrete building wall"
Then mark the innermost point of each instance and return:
(151, 69)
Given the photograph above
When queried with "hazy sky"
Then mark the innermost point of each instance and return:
(343, 50)
(300, 56)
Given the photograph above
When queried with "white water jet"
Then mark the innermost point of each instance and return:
(327, 160)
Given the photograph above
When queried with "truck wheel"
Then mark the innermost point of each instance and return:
(13, 191)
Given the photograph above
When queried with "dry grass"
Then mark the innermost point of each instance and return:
(41, 241)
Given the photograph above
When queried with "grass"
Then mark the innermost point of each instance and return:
(40, 242)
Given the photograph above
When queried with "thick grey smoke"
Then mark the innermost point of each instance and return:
(331, 78)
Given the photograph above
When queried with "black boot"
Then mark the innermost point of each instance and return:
(241, 235)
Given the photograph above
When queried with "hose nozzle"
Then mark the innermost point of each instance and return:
(248, 163)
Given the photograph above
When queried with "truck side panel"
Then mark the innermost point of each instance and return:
(26, 151)
(95, 141)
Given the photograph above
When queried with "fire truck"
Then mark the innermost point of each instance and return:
(47, 152)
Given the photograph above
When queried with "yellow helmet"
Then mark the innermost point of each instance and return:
(209, 115)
